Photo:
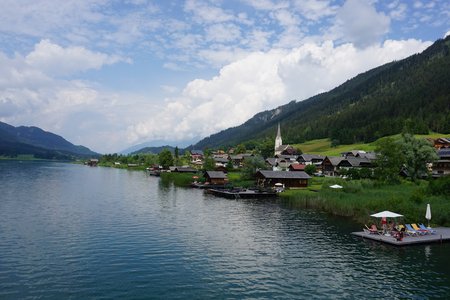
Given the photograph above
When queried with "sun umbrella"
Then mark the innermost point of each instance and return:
(428, 214)
(336, 186)
(386, 214)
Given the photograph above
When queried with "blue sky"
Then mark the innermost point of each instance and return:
(112, 74)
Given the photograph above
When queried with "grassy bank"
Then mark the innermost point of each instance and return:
(361, 198)
(324, 147)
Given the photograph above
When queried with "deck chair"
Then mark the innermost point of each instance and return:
(407, 232)
(420, 230)
(430, 230)
(372, 229)
(409, 228)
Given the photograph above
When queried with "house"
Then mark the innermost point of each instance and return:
(330, 165)
(355, 162)
(183, 169)
(441, 167)
(93, 162)
(297, 167)
(215, 177)
(440, 143)
(285, 150)
(196, 155)
(238, 160)
(288, 179)
(310, 159)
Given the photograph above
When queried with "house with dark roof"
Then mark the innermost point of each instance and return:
(183, 169)
(215, 177)
(442, 142)
(310, 159)
(441, 167)
(267, 178)
(330, 165)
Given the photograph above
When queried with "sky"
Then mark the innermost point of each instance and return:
(110, 74)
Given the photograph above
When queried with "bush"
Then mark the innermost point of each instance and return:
(440, 186)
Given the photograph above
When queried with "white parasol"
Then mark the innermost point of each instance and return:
(336, 186)
(386, 214)
(428, 214)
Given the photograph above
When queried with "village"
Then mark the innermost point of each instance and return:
(290, 170)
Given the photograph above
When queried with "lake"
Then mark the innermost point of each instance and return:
(71, 231)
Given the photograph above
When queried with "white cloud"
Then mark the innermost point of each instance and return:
(263, 81)
(223, 33)
(206, 13)
(56, 60)
(315, 9)
(31, 95)
(358, 22)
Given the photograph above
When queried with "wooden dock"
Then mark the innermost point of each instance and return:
(242, 193)
(442, 235)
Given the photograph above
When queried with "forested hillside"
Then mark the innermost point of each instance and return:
(34, 141)
(413, 92)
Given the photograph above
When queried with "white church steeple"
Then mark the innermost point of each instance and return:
(278, 141)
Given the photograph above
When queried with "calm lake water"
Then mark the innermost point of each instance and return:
(70, 231)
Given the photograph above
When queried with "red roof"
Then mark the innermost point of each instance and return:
(298, 167)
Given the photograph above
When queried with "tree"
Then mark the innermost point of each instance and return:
(251, 166)
(209, 163)
(418, 153)
(177, 155)
(310, 169)
(266, 148)
(389, 161)
(240, 149)
(165, 158)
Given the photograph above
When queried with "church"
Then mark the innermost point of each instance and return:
(281, 149)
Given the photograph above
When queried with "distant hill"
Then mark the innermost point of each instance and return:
(154, 150)
(24, 140)
(413, 92)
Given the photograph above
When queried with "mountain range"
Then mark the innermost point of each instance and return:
(34, 141)
(412, 93)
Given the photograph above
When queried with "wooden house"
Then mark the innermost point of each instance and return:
(196, 155)
(215, 177)
(310, 159)
(288, 179)
(183, 169)
(441, 167)
(440, 143)
(297, 167)
(330, 165)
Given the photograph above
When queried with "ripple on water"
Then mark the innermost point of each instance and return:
(68, 231)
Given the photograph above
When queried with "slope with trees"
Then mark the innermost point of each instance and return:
(414, 92)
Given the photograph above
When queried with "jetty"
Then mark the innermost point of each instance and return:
(243, 193)
(441, 235)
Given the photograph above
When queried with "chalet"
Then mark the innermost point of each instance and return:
(310, 159)
(330, 165)
(288, 179)
(355, 162)
(183, 169)
(196, 155)
(297, 167)
(238, 160)
(441, 143)
(359, 154)
(215, 177)
(441, 167)
(93, 162)
(285, 150)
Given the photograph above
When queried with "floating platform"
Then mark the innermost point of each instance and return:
(441, 235)
(242, 193)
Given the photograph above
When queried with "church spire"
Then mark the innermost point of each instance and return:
(278, 141)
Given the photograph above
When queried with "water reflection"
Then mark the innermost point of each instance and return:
(71, 231)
